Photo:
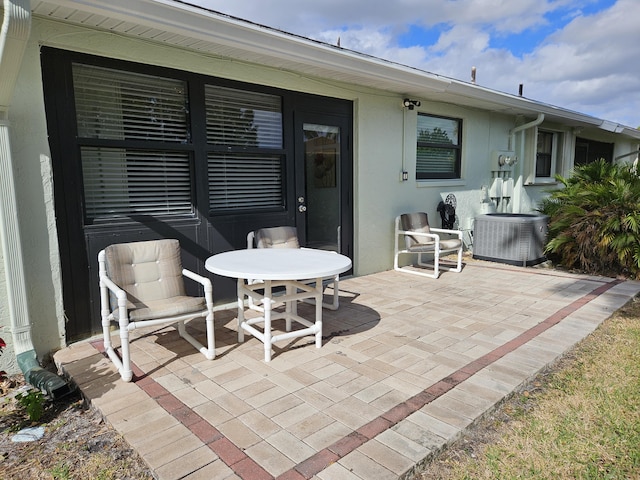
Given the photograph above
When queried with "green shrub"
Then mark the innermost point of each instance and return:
(33, 403)
(595, 220)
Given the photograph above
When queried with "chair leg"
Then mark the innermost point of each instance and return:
(459, 266)
(122, 364)
(125, 369)
(436, 263)
(336, 295)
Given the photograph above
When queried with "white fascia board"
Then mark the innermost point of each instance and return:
(521, 105)
(198, 23)
(207, 26)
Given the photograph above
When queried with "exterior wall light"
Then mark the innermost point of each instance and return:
(410, 104)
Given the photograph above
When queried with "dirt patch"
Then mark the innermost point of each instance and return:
(77, 443)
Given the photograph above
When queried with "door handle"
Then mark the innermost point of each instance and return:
(302, 208)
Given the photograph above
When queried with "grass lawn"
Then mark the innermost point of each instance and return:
(580, 421)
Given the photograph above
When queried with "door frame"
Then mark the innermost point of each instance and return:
(332, 112)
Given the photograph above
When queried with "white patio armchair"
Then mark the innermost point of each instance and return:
(141, 284)
(414, 237)
(287, 237)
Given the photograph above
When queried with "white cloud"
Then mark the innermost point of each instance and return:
(590, 65)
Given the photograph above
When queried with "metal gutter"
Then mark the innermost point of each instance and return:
(16, 27)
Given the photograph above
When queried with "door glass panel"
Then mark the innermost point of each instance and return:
(322, 165)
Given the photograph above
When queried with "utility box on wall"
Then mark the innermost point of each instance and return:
(503, 158)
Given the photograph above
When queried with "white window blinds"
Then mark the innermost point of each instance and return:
(119, 182)
(243, 118)
(248, 126)
(438, 147)
(241, 182)
(115, 110)
(113, 104)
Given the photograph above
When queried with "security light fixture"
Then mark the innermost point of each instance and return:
(410, 104)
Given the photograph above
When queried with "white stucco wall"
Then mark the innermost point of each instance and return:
(381, 151)
(34, 199)
(8, 361)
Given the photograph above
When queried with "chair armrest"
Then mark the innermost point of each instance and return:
(419, 234)
(107, 282)
(458, 233)
(204, 281)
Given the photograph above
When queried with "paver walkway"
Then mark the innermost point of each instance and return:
(407, 364)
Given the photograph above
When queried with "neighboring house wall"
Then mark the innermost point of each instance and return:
(384, 144)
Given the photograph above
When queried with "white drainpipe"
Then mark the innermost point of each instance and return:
(16, 27)
(526, 126)
(512, 144)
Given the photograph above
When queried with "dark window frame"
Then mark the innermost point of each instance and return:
(455, 146)
(196, 146)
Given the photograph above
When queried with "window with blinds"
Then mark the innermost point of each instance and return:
(119, 105)
(242, 118)
(138, 156)
(438, 147)
(118, 109)
(125, 182)
(247, 172)
(243, 182)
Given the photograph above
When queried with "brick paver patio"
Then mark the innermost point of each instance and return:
(406, 365)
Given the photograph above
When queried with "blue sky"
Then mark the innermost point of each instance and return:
(583, 55)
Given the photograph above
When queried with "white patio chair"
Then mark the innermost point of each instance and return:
(287, 237)
(141, 284)
(414, 236)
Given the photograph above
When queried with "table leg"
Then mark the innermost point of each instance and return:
(240, 310)
(289, 307)
(318, 312)
(266, 302)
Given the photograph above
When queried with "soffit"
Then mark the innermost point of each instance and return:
(182, 25)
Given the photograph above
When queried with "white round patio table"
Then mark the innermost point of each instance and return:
(299, 270)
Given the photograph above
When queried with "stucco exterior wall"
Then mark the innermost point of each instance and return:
(8, 361)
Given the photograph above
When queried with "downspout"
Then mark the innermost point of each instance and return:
(16, 27)
(526, 126)
(516, 205)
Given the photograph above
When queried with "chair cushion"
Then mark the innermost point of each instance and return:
(277, 237)
(147, 271)
(446, 244)
(416, 222)
(169, 307)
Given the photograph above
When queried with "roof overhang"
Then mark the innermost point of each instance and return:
(180, 24)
